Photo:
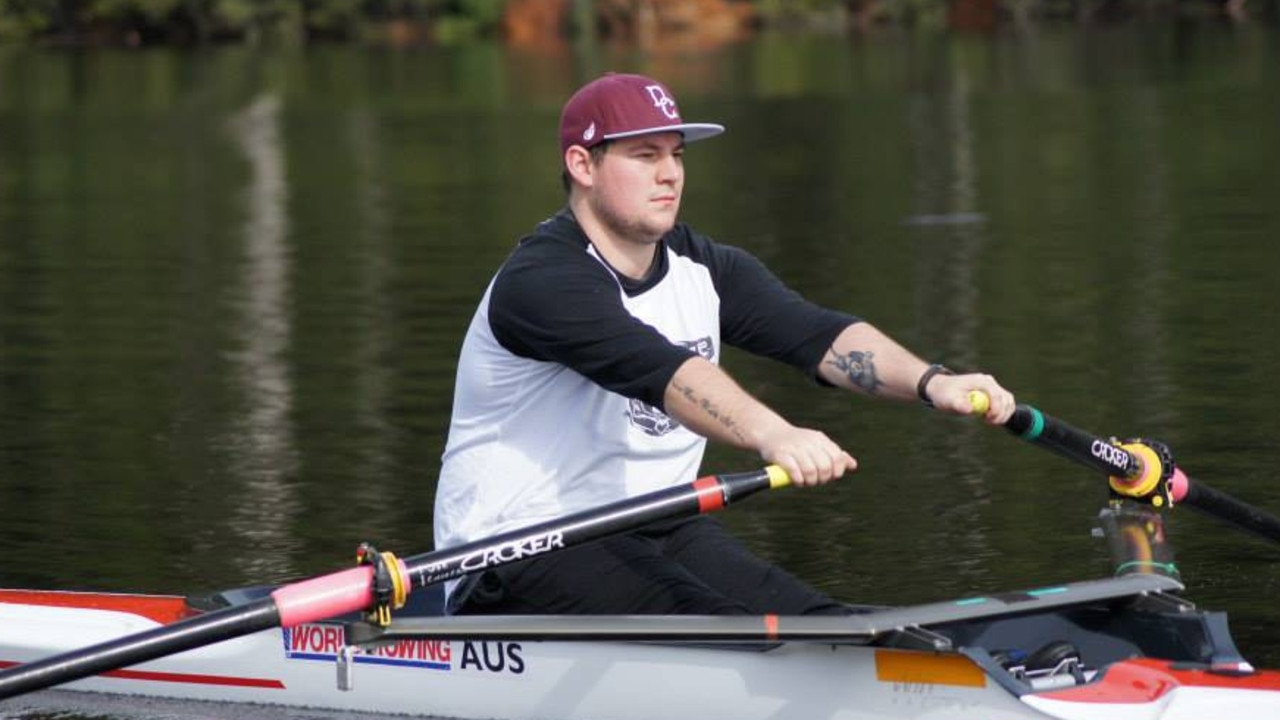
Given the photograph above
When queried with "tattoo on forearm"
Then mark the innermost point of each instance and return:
(715, 413)
(860, 368)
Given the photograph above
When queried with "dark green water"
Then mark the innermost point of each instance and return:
(233, 285)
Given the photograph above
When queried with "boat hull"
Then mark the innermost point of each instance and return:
(497, 679)
(558, 680)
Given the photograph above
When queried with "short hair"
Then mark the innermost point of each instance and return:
(597, 154)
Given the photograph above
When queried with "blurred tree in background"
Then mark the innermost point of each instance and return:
(140, 22)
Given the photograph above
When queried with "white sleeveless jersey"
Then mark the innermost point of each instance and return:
(558, 401)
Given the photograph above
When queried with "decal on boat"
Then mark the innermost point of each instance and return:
(180, 678)
(915, 672)
(323, 641)
(493, 657)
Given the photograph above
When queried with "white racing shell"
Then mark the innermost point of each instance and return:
(877, 674)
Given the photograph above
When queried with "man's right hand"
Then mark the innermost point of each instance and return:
(808, 456)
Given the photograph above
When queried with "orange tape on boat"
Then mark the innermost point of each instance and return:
(927, 669)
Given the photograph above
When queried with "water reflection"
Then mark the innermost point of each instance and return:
(1152, 278)
(948, 309)
(372, 343)
(261, 448)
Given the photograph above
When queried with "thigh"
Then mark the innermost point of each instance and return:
(625, 575)
(712, 554)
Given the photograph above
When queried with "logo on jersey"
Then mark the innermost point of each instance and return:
(649, 419)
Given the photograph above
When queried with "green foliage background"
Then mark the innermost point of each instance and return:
(200, 21)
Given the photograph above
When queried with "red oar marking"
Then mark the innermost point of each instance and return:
(710, 494)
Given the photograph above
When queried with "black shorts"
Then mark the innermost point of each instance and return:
(690, 566)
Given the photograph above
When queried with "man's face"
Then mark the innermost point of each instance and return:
(637, 185)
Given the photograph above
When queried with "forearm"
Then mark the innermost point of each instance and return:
(867, 361)
(707, 401)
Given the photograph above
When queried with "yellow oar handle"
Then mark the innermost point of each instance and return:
(778, 477)
(979, 402)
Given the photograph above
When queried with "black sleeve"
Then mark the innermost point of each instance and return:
(555, 303)
(760, 314)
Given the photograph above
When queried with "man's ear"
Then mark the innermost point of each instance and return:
(577, 161)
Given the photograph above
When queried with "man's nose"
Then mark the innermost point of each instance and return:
(669, 169)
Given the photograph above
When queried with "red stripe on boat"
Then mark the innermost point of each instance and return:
(187, 678)
(710, 494)
(1144, 680)
(194, 679)
(163, 609)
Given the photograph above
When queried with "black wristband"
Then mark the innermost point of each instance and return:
(922, 387)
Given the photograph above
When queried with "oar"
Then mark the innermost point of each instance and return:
(385, 580)
(1139, 469)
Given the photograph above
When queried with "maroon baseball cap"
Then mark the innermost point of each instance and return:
(618, 105)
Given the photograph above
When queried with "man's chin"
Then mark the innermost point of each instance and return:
(663, 222)
(658, 230)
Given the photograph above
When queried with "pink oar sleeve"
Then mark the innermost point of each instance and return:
(1179, 485)
(325, 597)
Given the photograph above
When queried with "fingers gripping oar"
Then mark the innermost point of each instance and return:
(1137, 469)
(382, 581)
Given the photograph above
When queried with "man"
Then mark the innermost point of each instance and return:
(589, 374)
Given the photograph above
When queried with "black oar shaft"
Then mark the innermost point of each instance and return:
(1222, 505)
(133, 649)
(298, 602)
(1106, 457)
(708, 494)
(1070, 442)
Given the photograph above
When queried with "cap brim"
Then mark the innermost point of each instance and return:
(692, 131)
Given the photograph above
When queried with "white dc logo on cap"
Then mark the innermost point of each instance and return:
(589, 133)
(663, 101)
